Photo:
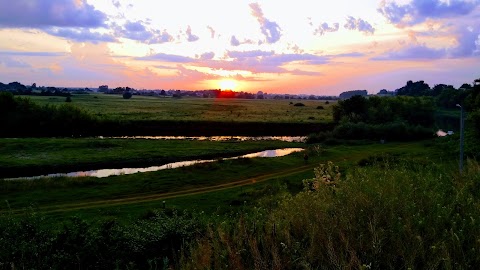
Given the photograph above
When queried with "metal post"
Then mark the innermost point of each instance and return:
(461, 136)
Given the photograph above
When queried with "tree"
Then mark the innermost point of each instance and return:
(127, 95)
(416, 89)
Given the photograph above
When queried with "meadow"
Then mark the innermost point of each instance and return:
(36, 156)
(146, 108)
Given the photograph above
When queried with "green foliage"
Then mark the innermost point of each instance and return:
(401, 215)
(21, 116)
(379, 110)
(127, 95)
(419, 88)
(108, 245)
(395, 118)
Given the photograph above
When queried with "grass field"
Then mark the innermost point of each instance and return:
(128, 195)
(34, 156)
(114, 107)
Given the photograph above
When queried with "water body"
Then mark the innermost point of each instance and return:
(110, 172)
(219, 138)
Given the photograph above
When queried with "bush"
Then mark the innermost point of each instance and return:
(320, 108)
(416, 216)
(22, 117)
(34, 244)
(127, 95)
(299, 104)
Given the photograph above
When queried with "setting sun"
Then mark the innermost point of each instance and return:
(227, 84)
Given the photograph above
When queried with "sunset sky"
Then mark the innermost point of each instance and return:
(291, 47)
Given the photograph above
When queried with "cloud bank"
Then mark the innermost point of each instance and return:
(46, 13)
(418, 11)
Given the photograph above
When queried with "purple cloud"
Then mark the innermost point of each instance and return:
(234, 41)
(417, 11)
(160, 37)
(265, 62)
(271, 30)
(207, 56)
(304, 73)
(325, 28)
(416, 52)
(18, 53)
(191, 37)
(468, 42)
(80, 34)
(47, 13)
(116, 3)
(248, 54)
(13, 63)
(137, 31)
(167, 58)
(359, 24)
(134, 26)
(352, 54)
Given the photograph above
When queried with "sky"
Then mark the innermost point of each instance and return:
(290, 47)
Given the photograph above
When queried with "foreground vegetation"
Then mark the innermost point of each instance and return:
(387, 213)
(391, 215)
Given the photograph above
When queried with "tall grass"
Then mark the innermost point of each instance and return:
(399, 215)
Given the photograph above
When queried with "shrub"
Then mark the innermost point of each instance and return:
(320, 108)
(127, 95)
(299, 104)
(416, 216)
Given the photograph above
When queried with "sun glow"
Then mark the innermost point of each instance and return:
(227, 84)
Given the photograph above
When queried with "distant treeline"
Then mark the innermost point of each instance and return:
(410, 115)
(22, 117)
(378, 118)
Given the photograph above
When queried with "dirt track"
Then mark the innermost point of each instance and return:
(167, 195)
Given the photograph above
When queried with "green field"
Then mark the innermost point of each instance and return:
(61, 194)
(114, 107)
(35, 156)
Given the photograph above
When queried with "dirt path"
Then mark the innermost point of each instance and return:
(168, 195)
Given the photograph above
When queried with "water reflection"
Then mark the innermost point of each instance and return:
(219, 138)
(109, 172)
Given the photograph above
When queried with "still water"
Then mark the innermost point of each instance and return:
(219, 138)
(109, 172)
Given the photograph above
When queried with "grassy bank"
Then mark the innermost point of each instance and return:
(35, 156)
(66, 194)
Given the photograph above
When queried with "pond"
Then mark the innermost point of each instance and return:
(110, 172)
